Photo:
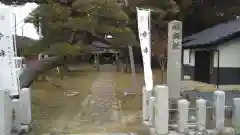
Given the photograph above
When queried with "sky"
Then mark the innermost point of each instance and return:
(21, 13)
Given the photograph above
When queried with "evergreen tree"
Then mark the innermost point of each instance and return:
(161, 13)
(67, 28)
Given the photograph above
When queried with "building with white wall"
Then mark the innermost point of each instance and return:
(213, 55)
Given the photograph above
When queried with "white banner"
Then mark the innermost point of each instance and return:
(8, 74)
(143, 16)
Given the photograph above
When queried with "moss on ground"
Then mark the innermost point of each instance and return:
(48, 101)
(124, 81)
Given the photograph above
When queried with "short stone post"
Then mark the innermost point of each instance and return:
(5, 113)
(173, 133)
(146, 94)
(16, 115)
(183, 106)
(161, 110)
(25, 105)
(219, 104)
(152, 102)
(236, 113)
(201, 105)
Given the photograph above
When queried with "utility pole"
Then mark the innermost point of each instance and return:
(23, 29)
(15, 23)
(40, 55)
(15, 33)
(39, 29)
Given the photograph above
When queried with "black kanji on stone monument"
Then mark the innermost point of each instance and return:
(1, 35)
(144, 34)
(145, 50)
(2, 53)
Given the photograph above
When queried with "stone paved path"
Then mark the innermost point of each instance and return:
(100, 110)
(102, 102)
(98, 113)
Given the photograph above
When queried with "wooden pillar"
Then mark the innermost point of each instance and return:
(126, 64)
(116, 61)
(95, 60)
(129, 66)
(41, 77)
(98, 63)
(132, 63)
(131, 58)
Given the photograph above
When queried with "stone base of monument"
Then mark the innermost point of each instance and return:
(130, 133)
(25, 128)
(172, 111)
(6, 113)
(16, 124)
(25, 105)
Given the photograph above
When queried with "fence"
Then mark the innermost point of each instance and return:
(156, 114)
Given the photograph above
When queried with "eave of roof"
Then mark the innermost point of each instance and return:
(213, 36)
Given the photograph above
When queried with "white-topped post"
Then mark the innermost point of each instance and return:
(152, 105)
(145, 116)
(16, 125)
(219, 103)
(173, 133)
(5, 113)
(25, 105)
(236, 113)
(183, 106)
(201, 105)
(161, 110)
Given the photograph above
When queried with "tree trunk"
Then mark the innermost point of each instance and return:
(159, 49)
(117, 62)
(65, 58)
(98, 63)
(162, 62)
(65, 65)
(126, 65)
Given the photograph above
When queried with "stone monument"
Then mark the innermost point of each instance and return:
(174, 62)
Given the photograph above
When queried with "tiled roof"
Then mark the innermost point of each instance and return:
(213, 35)
(23, 41)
